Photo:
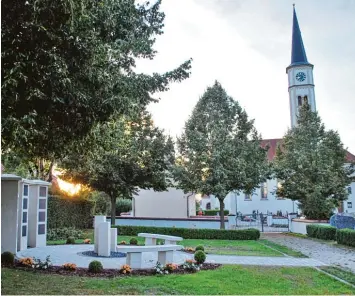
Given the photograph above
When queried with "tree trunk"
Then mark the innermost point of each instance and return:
(221, 212)
(113, 210)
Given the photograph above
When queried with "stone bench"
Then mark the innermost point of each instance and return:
(151, 238)
(134, 253)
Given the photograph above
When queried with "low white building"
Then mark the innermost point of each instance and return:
(173, 203)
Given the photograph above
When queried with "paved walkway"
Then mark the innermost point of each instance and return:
(324, 252)
(69, 254)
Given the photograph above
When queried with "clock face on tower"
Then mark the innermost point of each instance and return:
(301, 76)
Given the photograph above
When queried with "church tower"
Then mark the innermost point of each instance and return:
(300, 75)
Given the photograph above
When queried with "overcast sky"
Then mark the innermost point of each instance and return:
(246, 46)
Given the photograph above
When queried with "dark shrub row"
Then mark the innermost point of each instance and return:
(346, 237)
(246, 234)
(321, 231)
(342, 236)
(213, 212)
(65, 212)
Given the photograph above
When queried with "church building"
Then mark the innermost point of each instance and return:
(301, 91)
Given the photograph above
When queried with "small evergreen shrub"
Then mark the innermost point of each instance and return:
(200, 257)
(7, 259)
(95, 266)
(70, 241)
(188, 233)
(321, 231)
(346, 237)
(200, 248)
(133, 241)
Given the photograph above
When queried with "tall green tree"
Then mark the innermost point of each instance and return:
(311, 163)
(219, 150)
(125, 154)
(68, 65)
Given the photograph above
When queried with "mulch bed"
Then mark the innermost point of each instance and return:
(109, 273)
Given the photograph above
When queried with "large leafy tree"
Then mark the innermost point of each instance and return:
(123, 155)
(219, 150)
(68, 65)
(311, 163)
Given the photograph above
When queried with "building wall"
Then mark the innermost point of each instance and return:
(9, 215)
(349, 204)
(178, 223)
(167, 204)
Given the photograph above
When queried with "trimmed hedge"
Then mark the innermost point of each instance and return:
(245, 234)
(66, 212)
(213, 212)
(321, 231)
(346, 237)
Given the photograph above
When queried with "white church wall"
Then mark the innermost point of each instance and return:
(238, 202)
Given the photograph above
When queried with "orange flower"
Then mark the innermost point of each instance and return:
(125, 269)
(69, 266)
(28, 261)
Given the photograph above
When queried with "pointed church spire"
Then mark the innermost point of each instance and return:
(298, 56)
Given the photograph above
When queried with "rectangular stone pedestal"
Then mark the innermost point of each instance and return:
(97, 221)
(113, 233)
(165, 257)
(104, 246)
(150, 241)
(134, 260)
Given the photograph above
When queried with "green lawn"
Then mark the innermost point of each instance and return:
(340, 273)
(219, 247)
(229, 279)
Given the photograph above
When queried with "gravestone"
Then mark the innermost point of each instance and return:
(341, 221)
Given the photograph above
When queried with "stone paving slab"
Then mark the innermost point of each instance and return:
(70, 254)
(325, 252)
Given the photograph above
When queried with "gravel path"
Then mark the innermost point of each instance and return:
(324, 252)
(71, 253)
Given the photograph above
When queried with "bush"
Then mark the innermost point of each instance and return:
(95, 266)
(133, 241)
(70, 241)
(70, 212)
(123, 206)
(346, 237)
(213, 212)
(7, 259)
(187, 233)
(200, 248)
(64, 233)
(200, 257)
(102, 204)
(321, 231)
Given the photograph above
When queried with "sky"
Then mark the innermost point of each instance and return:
(246, 46)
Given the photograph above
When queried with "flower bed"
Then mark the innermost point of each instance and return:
(80, 271)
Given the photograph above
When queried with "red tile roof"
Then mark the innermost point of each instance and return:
(273, 143)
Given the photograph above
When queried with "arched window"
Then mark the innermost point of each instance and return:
(299, 101)
(208, 206)
(305, 99)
